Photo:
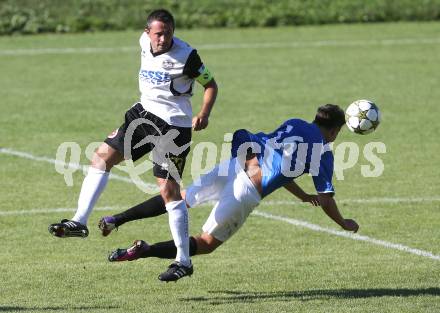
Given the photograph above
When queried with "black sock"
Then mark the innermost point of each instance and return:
(167, 249)
(152, 207)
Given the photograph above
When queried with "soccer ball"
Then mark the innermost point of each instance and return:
(362, 117)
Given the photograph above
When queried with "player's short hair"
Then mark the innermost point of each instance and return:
(329, 116)
(161, 15)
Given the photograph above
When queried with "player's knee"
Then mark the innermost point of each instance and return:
(105, 157)
(98, 162)
(170, 191)
(207, 243)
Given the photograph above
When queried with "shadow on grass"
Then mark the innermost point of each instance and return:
(55, 308)
(227, 296)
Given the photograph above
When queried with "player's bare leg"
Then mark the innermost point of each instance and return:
(104, 158)
(206, 243)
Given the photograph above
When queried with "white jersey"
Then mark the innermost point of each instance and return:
(166, 81)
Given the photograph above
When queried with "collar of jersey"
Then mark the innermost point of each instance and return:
(156, 54)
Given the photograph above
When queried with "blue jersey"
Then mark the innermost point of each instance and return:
(295, 148)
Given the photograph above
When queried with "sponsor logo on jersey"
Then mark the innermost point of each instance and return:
(154, 77)
(167, 64)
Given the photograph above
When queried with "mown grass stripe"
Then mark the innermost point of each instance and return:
(232, 46)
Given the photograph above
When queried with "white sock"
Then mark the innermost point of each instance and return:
(92, 187)
(178, 219)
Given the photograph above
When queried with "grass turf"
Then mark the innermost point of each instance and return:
(50, 98)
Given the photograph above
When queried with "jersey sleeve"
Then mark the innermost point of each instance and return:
(194, 68)
(144, 41)
(323, 181)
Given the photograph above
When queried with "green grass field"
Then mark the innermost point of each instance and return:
(76, 88)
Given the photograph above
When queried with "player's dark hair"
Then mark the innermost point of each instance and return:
(329, 116)
(161, 15)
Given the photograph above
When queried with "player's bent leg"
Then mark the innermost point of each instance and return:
(154, 206)
(238, 199)
(202, 244)
(207, 243)
(105, 157)
(169, 189)
(94, 183)
(166, 249)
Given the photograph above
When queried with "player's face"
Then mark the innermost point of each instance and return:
(161, 36)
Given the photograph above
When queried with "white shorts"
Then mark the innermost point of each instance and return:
(235, 196)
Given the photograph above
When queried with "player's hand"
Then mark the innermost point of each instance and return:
(350, 225)
(312, 199)
(200, 122)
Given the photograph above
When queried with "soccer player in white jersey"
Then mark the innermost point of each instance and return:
(169, 68)
(260, 164)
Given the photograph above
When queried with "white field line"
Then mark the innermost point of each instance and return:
(50, 211)
(223, 46)
(367, 200)
(349, 235)
(291, 221)
(83, 168)
(32, 157)
(295, 222)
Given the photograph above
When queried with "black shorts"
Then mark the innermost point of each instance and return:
(154, 132)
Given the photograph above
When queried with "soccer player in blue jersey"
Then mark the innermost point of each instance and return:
(260, 164)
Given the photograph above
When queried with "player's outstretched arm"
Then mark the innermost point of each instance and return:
(298, 192)
(200, 121)
(330, 208)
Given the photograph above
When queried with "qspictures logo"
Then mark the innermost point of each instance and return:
(206, 155)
